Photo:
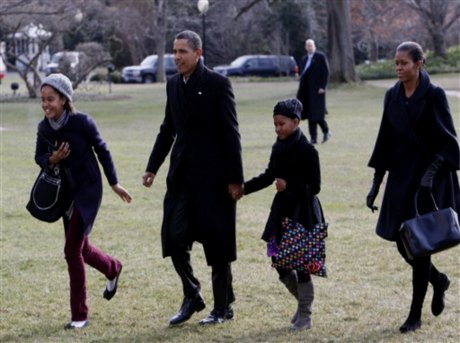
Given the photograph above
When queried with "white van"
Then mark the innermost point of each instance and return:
(59, 58)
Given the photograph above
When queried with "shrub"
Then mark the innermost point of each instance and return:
(101, 75)
(434, 65)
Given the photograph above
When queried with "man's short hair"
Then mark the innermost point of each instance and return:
(192, 38)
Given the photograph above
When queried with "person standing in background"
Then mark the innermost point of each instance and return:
(205, 177)
(312, 91)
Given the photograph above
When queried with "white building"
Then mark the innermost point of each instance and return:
(26, 43)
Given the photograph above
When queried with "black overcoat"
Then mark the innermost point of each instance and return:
(314, 78)
(411, 133)
(85, 142)
(296, 161)
(201, 127)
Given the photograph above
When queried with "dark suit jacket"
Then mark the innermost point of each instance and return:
(84, 138)
(201, 128)
(314, 78)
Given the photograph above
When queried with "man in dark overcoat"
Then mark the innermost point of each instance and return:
(204, 180)
(312, 90)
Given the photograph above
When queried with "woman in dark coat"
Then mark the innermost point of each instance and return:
(78, 139)
(417, 145)
(294, 166)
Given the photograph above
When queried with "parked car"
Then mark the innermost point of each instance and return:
(260, 65)
(146, 72)
(64, 62)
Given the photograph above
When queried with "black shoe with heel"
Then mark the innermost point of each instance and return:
(412, 323)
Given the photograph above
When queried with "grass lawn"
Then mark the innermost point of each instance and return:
(365, 298)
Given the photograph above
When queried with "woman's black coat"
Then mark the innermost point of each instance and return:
(296, 161)
(201, 127)
(85, 142)
(412, 132)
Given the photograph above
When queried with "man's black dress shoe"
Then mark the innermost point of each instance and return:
(215, 317)
(228, 315)
(218, 316)
(110, 294)
(189, 307)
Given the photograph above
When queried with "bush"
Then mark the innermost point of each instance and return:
(434, 65)
(101, 75)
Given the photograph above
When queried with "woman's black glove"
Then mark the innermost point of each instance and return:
(374, 191)
(427, 178)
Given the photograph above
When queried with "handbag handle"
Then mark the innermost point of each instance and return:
(42, 136)
(416, 206)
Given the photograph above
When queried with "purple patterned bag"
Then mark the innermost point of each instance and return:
(301, 249)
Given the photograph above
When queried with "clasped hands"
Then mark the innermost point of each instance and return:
(236, 191)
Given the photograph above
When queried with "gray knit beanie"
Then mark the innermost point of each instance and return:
(291, 108)
(61, 83)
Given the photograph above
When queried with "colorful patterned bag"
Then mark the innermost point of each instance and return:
(301, 249)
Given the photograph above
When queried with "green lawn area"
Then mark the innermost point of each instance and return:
(365, 298)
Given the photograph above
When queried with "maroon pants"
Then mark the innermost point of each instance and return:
(78, 251)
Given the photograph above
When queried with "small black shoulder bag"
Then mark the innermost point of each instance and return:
(50, 194)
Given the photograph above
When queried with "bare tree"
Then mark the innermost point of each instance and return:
(44, 22)
(160, 16)
(438, 16)
(342, 61)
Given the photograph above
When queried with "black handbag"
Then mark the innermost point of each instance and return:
(50, 194)
(430, 233)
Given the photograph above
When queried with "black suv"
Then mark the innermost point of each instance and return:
(260, 65)
(146, 72)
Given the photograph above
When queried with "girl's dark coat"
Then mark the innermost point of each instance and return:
(296, 161)
(82, 134)
(412, 132)
(202, 124)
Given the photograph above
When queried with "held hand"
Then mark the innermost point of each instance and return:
(321, 91)
(147, 179)
(236, 191)
(61, 153)
(280, 184)
(122, 193)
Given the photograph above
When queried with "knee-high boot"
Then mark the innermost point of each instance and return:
(290, 281)
(440, 283)
(306, 295)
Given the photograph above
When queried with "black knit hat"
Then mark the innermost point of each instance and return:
(291, 108)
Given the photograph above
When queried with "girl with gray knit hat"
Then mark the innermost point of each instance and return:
(77, 144)
(294, 167)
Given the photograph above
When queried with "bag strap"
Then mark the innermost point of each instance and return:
(416, 198)
(44, 139)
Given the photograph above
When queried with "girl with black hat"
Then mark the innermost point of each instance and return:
(294, 167)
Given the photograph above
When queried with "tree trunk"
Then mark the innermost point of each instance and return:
(342, 60)
(161, 38)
